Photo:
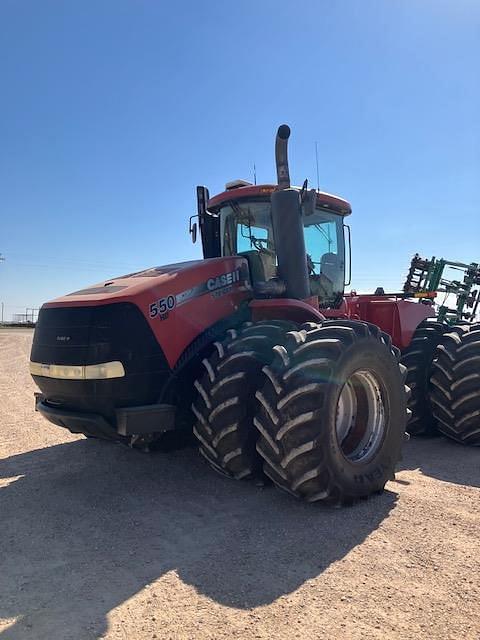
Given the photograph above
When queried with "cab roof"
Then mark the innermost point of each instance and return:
(324, 200)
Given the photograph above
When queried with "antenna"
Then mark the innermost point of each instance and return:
(254, 174)
(316, 160)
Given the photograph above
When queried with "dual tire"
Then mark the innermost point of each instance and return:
(443, 372)
(418, 357)
(455, 384)
(225, 403)
(321, 410)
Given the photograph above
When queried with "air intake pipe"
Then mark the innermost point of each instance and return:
(288, 225)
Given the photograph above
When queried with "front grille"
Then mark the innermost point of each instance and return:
(91, 335)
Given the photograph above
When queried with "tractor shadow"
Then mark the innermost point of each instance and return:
(443, 459)
(86, 525)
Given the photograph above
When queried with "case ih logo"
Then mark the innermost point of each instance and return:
(217, 287)
(225, 280)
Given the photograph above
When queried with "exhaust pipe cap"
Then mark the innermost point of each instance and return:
(283, 132)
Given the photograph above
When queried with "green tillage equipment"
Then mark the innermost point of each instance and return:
(426, 276)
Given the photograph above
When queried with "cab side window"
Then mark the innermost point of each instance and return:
(320, 239)
(257, 247)
(247, 237)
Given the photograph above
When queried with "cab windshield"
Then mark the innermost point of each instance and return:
(246, 229)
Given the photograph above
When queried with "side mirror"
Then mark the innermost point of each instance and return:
(193, 230)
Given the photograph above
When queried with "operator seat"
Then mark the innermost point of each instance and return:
(323, 283)
(329, 264)
(261, 265)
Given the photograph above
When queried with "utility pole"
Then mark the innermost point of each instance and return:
(2, 312)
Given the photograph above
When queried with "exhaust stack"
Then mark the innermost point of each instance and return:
(288, 225)
(281, 156)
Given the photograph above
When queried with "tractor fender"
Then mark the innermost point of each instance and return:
(284, 309)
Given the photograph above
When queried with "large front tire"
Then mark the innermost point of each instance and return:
(333, 412)
(224, 404)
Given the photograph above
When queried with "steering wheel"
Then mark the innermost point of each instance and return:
(257, 243)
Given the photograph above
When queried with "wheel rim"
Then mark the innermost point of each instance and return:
(360, 417)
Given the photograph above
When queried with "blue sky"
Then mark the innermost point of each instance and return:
(112, 111)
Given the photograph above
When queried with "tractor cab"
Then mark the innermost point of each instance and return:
(246, 228)
(295, 249)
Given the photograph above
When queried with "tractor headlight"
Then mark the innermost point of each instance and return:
(101, 371)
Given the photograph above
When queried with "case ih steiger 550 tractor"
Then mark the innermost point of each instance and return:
(255, 349)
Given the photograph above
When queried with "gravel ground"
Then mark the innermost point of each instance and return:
(99, 541)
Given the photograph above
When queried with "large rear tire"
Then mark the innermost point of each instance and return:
(224, 404)
(417, 357)
(333, 412)
(455, 384)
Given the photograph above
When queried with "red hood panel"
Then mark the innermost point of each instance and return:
(122, 289)
(179, 301)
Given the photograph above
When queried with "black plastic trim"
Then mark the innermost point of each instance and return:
(155, 418)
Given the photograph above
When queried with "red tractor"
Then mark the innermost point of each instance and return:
(255, 349)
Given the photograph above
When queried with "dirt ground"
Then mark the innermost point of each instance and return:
(99, 541)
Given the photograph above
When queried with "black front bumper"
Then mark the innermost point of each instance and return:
(128, 421)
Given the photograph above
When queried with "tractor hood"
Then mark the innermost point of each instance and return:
(178, 301)
(172, 279)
